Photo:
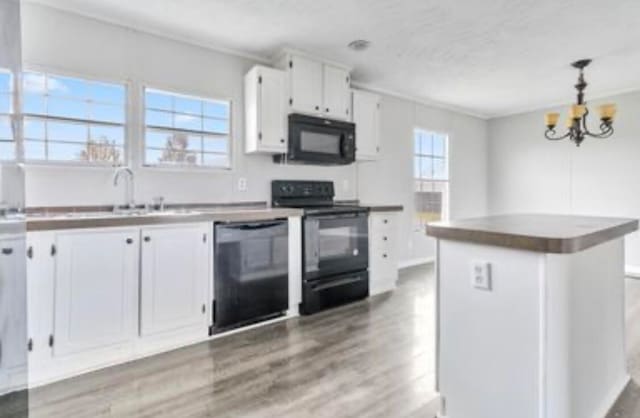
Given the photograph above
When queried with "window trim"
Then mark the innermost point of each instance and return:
(142, 145)
(98, 78)
(13, 118)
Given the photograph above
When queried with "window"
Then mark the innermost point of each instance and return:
(431, 176)
(7, 139)
(70, 119)
(186, 131)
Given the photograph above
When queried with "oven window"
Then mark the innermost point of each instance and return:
(320, 143)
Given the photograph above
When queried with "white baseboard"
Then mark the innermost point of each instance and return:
(632, 271)
(416, 262)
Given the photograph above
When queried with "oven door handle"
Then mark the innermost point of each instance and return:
(253, 226)
(343, 215)
(336, 283)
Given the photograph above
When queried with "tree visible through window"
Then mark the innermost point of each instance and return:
(185, 130)
(431, 176)
(72, 119)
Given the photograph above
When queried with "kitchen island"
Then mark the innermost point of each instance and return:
(530, 315)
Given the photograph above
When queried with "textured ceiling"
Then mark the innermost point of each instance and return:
(488, 57)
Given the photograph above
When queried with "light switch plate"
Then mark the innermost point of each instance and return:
(481, 275)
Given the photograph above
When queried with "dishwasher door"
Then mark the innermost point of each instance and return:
(251, 280)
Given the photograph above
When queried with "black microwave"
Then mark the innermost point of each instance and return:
(314, 140)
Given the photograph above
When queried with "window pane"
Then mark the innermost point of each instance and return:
(33, 103)
(426, 143)
(185, 105)
(68, 108)
(439, 169)
(157, 139)
(155, 100)
(107, 93)
(68, 87)
(107, 113)
(65, 152)
(7, 150)
(34, 129)
(155, 118)
(34, 83)
(426, 166)
(216, 126)
(61, 131)
(152, 157)
(192, 123)
(6, 132)
(416, 168)
(107, 133)
(216, 144)
(34, 150)
(439, 145)
(216, 110)
(103, 151)
(5, 103)
(5, 82)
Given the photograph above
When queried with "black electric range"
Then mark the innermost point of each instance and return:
(335, 240)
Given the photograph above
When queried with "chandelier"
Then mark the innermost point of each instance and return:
(577, 121)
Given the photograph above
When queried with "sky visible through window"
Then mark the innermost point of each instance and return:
(72, 119)
(185, 130)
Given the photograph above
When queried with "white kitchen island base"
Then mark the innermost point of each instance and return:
(545, 340)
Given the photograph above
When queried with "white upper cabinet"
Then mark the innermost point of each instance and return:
(174, 278)
(336, 92)
(316, 87)
(265, 110)
(366, 116)
(96, 289)
(305, 77)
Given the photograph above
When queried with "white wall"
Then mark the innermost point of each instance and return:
(527, 173)
(390, 180)
(58, 41)
(67, 43)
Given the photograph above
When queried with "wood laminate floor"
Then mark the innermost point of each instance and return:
(374, 358)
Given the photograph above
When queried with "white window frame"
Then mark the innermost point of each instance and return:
(446, 182)
(52, 71)
(142, 146)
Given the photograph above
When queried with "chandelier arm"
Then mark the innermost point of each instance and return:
(550, 132)
(606, 132)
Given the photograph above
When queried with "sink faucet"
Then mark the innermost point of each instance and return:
(129, 185)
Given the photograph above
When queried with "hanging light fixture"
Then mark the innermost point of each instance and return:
(577, 129)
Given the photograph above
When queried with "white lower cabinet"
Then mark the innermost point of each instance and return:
(13, 315)
(96, 289)
(174, 279)
(383, 257)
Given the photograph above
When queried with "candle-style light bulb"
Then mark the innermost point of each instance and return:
(607, 111)
(551, 119)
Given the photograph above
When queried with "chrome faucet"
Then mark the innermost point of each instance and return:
(129, 202)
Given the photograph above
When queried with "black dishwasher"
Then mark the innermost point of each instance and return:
(251, 280)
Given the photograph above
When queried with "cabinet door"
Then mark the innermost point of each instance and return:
(336, 92)
(95, 289)
(383, 260)
(13, 306)
(272, 112)
(306, 85)
(366, 116)
(174, 278)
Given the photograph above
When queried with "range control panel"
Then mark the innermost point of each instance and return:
(301, 192)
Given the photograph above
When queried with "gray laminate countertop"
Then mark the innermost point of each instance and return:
(89, 220)
(559, 234)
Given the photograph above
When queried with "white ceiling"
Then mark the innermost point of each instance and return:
(488, 57)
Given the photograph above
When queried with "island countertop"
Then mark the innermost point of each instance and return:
(559, 234)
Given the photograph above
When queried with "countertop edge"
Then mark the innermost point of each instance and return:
(533, 243)
(33, 225)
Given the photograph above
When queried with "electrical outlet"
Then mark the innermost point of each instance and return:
(242, 184)
(481, 275)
